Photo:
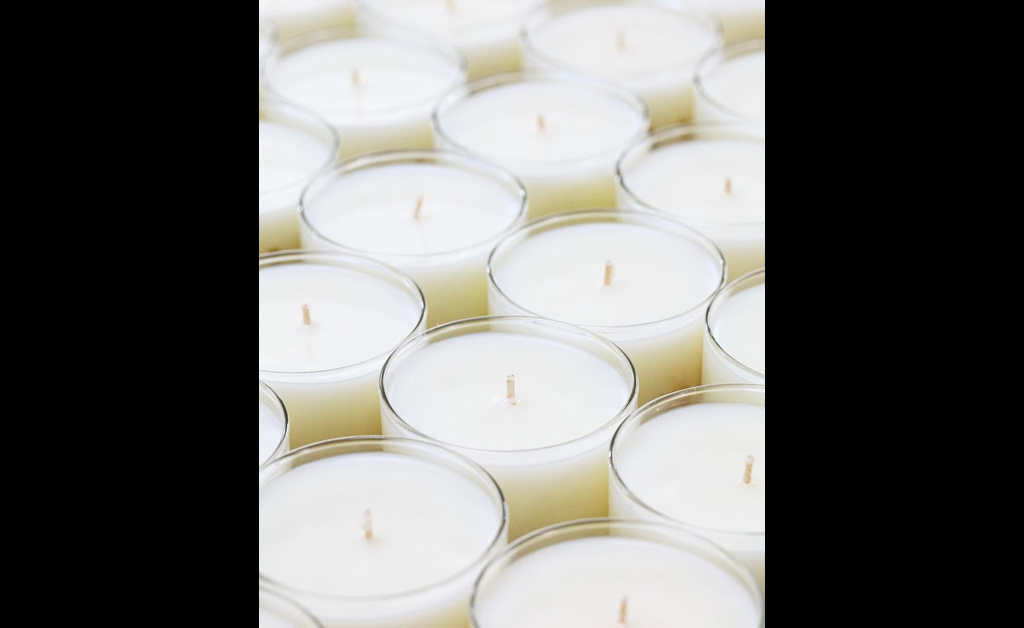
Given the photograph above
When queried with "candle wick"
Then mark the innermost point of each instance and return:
(510, 389)
(609, 274)
(728, 186)
(450, 5)
(306, 320)
(621, 40)
(367, 525)
(419, 207)
(356, 79)
(624, 611)
(541, 124)
(748, 477)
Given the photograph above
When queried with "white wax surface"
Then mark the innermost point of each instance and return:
(580, 122)
(288, 156)
(271, 431)
(455, 391)
(689, 464)
(355, 317)
(373, 209)
(270, 620)
(463, 24)
(739, 327)
(391, 76)
(689, 179)
(429, 524)
(738, 84)
(559, 274)
(657, 40)
(581, 583)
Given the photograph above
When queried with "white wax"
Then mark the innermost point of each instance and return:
(372, 211)
(454, 391)
(560, 137)
(271, 433)
(649, 48)
(559, 274)
(734, 89)
(378, 92)
(581, 584)
(742, 19)
(295, 17)
(485, 30)
(289, 157)
(689, 465)
(270, 620)
(429, 525)
(739, 328)
(716, 186)
(356, 320)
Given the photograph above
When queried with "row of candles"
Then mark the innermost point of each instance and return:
(621, 370)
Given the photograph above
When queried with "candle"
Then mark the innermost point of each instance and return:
(742, 19)
(642, 281)
(435, 216)
(378, 532)
(710, 177)
(534, 402)
(295, 17)
(697, 458)
(328, 322)
(484, 30)
(294, 146)
(278, 612)
(560, 135)
(730, 84)
(735, 333)
(268, 39)
(273, 426)
(649, 46)
(605, 573)
(377, 90)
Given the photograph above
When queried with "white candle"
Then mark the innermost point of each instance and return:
(278, 612)
(698, 458)
(435, 216)
(648, 46)
(268, 39)
(730, 84)
(560, 135)
(274, 441)
(378, 533)
(327, 324)
(735, 333)
(294, 146)
(642, 281)
(295, 17)
(484, 30)
(710, 177)
(742, 19)
(377, 90)
(607, 573)
(534, 402)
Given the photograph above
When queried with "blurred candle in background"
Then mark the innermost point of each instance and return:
(735, 333)
(730, 84)
(742, 19)
(296, 17)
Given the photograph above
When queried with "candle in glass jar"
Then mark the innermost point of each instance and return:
(294, 146)
(327, 323)
(295, 17)
(378, 533)
(278, 612)
(534, 402)
(559, 134)
(730, 84)
(642, 281)
(616, 573)
(273, 426)
(484, 30)
(378, 90)
(650, 47)
(735, 333)
(742, 19)
(710, 177)
(435, 216)
(698, 458)
(268, 38)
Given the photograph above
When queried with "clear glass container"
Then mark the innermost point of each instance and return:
(713, 106)
(278, 612)
(719, 366)
(270, 400)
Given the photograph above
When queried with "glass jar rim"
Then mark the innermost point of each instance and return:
(740, 284)
(270, 106)
(427, 451)
(369, 9)
(274, 402)
(294, 607)
(714, 60)
(521, 323)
